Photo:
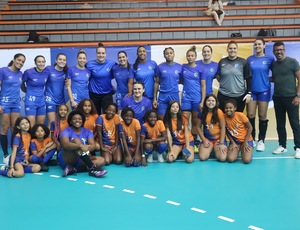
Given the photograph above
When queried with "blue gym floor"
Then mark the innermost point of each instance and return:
(203, 195)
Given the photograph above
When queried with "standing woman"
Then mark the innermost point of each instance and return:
(209, 68)
(54, 91)
(194, 88)
(34, 81)
(217, 11)
(10, 82)
(100, 87)
(260, 65)
(233, 76)
(77, 80)
(144, 71)
(123, 74)
(167, 79)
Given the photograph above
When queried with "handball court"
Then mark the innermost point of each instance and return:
(203, 195)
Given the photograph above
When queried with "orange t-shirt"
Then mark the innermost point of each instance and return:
(130, 131)
(90, 122)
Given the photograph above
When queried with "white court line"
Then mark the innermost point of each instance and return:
(255, 228)
(89, 182)
(198, 210)
(54, 176)
(150, 196)
(72, 179)
(226, 219)
(40, 174)
(108, 186)
(173, 202)
(277, 157)
(128, 191)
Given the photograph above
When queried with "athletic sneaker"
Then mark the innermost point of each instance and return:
(150, 158)
(297, 153)
(260, 146)
(97, 173)
(4, 167)
(254, 143)
(160, 157)
(6, 159)
(280, 150)
(196, 149)
(69, 170)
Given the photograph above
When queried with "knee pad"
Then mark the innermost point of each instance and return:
(162, 148)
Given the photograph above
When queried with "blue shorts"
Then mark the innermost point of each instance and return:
(250, 143)
(35, 110)
(51, 108)
(61, 161)
(163, 101)
(263, 96)
(11, 109)
(190, 105)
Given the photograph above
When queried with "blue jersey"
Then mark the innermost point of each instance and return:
(10, 87)
(122, 75)
(192, 77)
(79, 82)
(139, 108)
(83, 136)
(54, 91)
(169, 77)
(260, 68)
(35, 86)
(146, 74)
(100, 81)
(209, 71)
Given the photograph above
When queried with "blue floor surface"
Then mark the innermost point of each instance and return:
(202, 195)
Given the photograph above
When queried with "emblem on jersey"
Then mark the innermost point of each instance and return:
(76, 74)
(10, 77)
(143, 108)
(164, 71)
(87, 75)
(176, 71)
(196, 74)
(53, 75)
(20, 79)
(108, 69)
(149, 67)
(35, 79)
(264, 62)
(237, 65)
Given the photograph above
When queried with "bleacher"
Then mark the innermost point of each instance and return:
(143, 22)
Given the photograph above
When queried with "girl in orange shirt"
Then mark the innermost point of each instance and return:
(88, 107)
(179, 137)
(239, 132)
(214, 131)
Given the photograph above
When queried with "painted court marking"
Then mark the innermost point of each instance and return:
(40, 174)
(150, 196)
(90, 182)
(55, 176)
(172, 202)
(198, 210)
(226, 219)
(128, 191)
(255, 228)
(108, 186)
(72, 179)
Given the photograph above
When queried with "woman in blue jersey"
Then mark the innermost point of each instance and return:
(260, 65)
(166, 80)
(54, 91)
(137, 102)
(77, 80)
(10, 82)
(100, 87)
(194, 88)
(144, 71)
(209, 68)
(123, 74)
(34, 81)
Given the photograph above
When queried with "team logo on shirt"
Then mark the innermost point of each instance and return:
(264, 62)
(196, 74)
(87, 75)
(237, 65)
(211, 70)
(76, 74)
(149, 67)
(143, 108)
(117, 73)
(10, 77)
(176, 71)
(53, 75)
(164, 71)
(35, 79)
(108, 69)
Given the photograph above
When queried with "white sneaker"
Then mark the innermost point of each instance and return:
(4, 167)
(6, 159)
(260, 146)
(150, 158)
(280, 150)
(160, 157)
(297, 153)
(254, 143)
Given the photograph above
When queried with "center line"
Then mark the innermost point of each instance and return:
(72, 179)
(89, 182)
(255, 228)
(226, 219)
(173, 202)
(198, 210)
(150, 196)
(55, 176)
(40, 174)
(129, 191)
(108, 186)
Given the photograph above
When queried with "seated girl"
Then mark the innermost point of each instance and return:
(179, 137)
(41, 146)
